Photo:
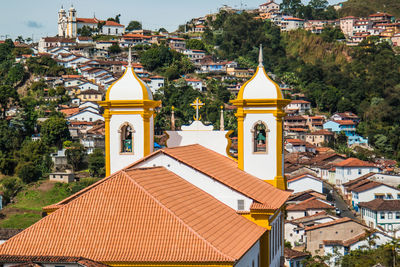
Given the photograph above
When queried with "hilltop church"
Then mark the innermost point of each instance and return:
(68, 26)
(190, 204)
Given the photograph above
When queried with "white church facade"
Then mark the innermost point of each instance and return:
(68, 25)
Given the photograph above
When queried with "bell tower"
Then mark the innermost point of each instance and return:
(62, 22)
(128, 113)
(260, 127)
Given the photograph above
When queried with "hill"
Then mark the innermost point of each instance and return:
(363, 8)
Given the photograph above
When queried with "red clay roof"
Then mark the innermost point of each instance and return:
(341, 220)
(367, 185)
(303, 176)
(225, 170)
(32, 260)
(309, 204)
(69, 111)
(140, 215)
(321, 132)
(345, 122)
(381, 204)
(299, 102)
(294, 254)
(354, 162)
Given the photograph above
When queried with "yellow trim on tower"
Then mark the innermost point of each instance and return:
(107, 117)
(241, 91)
(142, 85)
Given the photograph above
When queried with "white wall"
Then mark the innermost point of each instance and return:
(345, 174)
(86, 116)
(294, 234)
(251, 258)
(218, 190)
(261, 165)
(276, 241)
(304, 184)
(119, 160)
(369, 195)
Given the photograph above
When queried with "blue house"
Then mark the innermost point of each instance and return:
(349, 128)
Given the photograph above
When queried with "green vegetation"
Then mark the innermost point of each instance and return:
(133, 25)
(364, 8)
(315, 9)
(28, 203)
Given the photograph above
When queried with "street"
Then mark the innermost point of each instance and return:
(340, 204)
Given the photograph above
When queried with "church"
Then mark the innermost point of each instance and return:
(68, 26)
(189, 204)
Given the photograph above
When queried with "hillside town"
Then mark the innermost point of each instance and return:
(339, 193)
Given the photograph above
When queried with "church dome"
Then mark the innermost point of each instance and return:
(260, 86)
(129, 87)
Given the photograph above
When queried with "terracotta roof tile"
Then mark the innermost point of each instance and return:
(293, 254)
(140, 205)
(367, 185)
(31, 260)
(338, 221)
(292, 179)
(309, 204)
(382, 204)
(225, 170)
(354, 162)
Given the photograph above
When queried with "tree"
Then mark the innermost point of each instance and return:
(133, 25)
(116, 19)
(291, 7)
(8, 96)
(19, 39)
(29, 172)
(54, 131)
(114, 49)
(195, 44)
(75, 153)
(162, 30)
(85, 31)
(96, 162)
(10, 186)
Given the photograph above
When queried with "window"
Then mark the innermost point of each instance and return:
(390, 215)
(240, 203)
(382, 215)
(398, 196)
(389, 196)
(397, 215)
(359, 171)
(348, 171)
(126, 134)
(321, 246)
(260, 137)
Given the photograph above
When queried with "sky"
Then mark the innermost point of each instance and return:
(38, 18)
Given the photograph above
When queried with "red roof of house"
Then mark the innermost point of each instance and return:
(309, 204)
(303, 176)
(338, 221)
(88, 20)
(345, 122)
(113, 23)
(299, 102)
(354, 162)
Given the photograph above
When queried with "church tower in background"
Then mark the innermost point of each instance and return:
(62, 22)
(260, 128)
(129, 114)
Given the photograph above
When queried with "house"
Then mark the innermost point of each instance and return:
(62, 177)
(195, 83)
(319, 138)
(295, 229)
(315, 123)
(291, 23)
(347, 25)
(382, 214)
(297, 145)
(194, 55)
(367, 190)
(90, 95)
(335, 249)
(307, 208)
(305, 182)
(85, 116)
(268, 7)
(352, 168)
(304, 195)
(155, 83)
(94, 138)
(322, 163)
(322, 234)
(345, 116)
(295, 122)
(176, 43)
(294, 257)
(348, 127)
(299, 106)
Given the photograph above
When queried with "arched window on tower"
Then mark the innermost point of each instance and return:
(260, 137)
(126, 138)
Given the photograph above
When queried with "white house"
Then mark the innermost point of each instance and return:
(268, 7)
(307, 208)
(155, 83)
(86, 115)
(89, 104)
(382, 214)
(87, 86)
(352, 168)
(195, 83)
(371, 190)
(305, 182)
(299, 106)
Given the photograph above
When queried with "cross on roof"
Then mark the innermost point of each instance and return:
(197, 104)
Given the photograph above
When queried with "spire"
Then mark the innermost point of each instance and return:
(129, 57)
(260, 57)
(221, 121)
(172, 118)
